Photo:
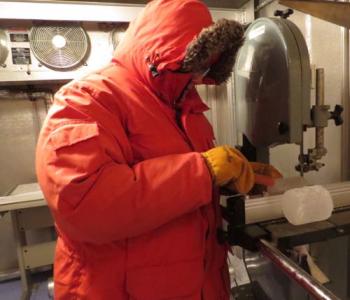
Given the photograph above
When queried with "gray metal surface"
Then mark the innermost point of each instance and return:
(305, 73)
(272, 79)
(3, 48)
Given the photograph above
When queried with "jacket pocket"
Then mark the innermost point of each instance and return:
(182, 280)
(73, 161)
(68, 135)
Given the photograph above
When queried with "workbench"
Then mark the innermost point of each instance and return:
(29, 213)
(286, 235)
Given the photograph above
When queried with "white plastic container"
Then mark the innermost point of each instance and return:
(307, 204)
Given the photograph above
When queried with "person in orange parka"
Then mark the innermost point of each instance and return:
(127, 164)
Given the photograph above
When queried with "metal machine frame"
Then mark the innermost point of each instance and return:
(263, 219)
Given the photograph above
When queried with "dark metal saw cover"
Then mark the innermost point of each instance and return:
(272, 83)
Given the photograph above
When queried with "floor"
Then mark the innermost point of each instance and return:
(11, 290)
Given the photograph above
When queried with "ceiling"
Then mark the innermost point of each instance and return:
(211, 3)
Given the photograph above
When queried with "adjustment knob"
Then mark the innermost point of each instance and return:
(282, 127)
(284, 14)
(336, 115)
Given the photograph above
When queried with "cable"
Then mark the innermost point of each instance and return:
(235, 281)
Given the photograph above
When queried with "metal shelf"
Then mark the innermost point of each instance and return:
(87, 11)
(331, 11)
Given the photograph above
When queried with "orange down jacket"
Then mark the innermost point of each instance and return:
(121, 170)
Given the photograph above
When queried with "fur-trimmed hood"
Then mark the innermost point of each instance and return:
(171, 39)
(215, 48)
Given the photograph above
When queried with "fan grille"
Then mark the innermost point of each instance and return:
(59, 47)
(3, 47)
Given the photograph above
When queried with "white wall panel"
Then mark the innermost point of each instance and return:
(220, 99)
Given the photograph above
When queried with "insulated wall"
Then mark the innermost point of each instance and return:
(21, 116)
(220, 99)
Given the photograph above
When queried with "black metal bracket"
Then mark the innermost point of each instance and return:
(238, 233)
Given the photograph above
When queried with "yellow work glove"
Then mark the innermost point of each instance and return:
(265, 176)
(265, 169)
(229, 168)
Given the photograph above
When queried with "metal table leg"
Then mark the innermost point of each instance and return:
(20, 240)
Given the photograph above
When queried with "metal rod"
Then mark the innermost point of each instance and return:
(50, 288)
(345, 166)
(263, 4)
(311, 285)
(319, 133)
(320, 86)
(301, 156)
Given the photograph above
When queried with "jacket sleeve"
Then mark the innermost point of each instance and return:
(99, 199)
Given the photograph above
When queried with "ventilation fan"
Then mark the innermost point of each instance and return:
(3, 47)
(118, 33)
(59, 47)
